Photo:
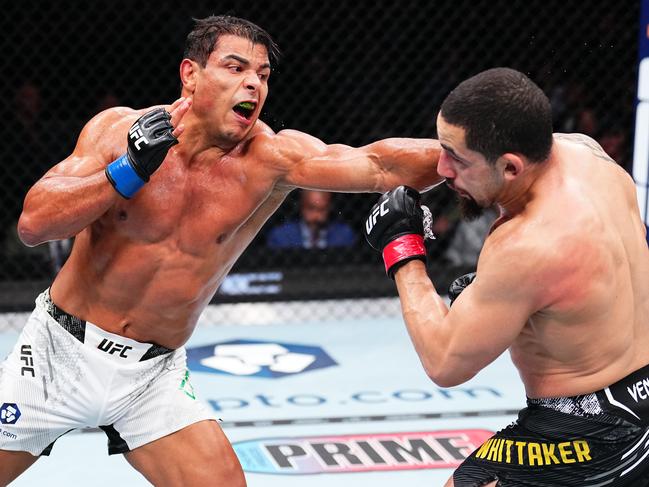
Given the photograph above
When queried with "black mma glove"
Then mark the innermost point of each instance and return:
(459, 285)
(149, 139)
(395, 226)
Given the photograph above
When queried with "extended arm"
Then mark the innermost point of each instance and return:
(307, 162)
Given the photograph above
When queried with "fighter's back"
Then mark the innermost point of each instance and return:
(593, 326)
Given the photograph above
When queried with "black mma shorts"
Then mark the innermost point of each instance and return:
(592, 440)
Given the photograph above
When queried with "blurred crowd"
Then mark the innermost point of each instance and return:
(309, 220)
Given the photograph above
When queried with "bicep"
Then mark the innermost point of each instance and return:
(94, 149)
(76, 165)
(307, 162)
(376, 167)
(487, 318)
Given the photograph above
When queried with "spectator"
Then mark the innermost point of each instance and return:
(24, 156)
(614, 142)
(106, 100)
(24, 153)
(59, 252)
(587, 122)
(313, 229)
(467, 240)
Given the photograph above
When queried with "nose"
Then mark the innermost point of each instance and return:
(444, 168)
(252, 82)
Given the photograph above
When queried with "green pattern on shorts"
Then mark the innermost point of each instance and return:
(186, 386)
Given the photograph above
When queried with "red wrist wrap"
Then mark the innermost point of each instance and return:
(401, 248)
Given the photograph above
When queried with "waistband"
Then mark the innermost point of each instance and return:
(121, 348)
(628, 397)
(583, 405)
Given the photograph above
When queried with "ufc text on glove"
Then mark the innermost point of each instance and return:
(395, 227)
(149, 140)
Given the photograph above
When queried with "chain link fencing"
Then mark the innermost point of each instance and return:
(350, 72)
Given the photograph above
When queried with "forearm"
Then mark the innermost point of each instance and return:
(60, 207)
(412, 162)
(424, 311)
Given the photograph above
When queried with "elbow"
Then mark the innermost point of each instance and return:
(443, 380)
(28, 232)
(447, 375)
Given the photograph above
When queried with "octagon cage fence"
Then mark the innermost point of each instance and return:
(350, 72)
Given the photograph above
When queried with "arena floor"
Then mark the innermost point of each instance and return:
(321, 401)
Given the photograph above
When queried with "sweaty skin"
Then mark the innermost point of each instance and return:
(145, 268)
(561, 280)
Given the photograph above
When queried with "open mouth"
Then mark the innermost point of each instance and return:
(245, 109)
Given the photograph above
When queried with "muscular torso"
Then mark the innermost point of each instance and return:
(593, 327)
(149, 266)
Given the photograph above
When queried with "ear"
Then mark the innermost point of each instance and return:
(188, 73)
(512, 165)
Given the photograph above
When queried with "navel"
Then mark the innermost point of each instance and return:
(221, 238)
(122, 215)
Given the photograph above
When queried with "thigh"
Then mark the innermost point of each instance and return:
(36, 402)
(199, 454)
(13, 464)
(162, 401)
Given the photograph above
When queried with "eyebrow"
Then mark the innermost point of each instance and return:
(450, 150)
(244, 61)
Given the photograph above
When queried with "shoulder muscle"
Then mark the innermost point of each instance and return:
(101, 140)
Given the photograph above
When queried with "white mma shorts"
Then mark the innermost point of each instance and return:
(65, 374)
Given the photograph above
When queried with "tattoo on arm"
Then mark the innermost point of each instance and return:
(592, 144)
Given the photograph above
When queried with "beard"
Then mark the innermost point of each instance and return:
(470, 209)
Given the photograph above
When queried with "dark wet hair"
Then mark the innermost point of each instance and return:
(202, 40)
(501, 110)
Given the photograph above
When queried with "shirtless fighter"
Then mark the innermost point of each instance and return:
(561, 282)
(162, 202)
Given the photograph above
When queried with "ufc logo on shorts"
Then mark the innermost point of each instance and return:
(378, 211)
(136, 134)
(110, 347)
(28, 360)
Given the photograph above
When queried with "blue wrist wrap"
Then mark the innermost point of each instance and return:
(123, 177)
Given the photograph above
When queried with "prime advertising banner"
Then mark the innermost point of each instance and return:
(343, 403)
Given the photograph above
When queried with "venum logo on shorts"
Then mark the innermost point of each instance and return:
(639, 390)
(27, 359)
(111, 347)
(9, 413)
(252, 358)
